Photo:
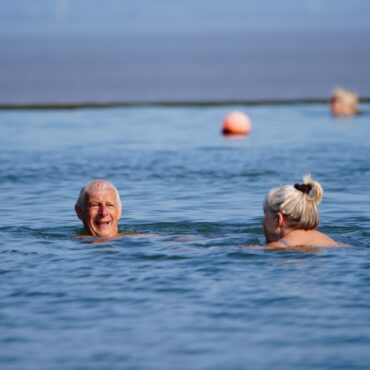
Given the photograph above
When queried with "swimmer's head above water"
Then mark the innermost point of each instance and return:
(99, 208)
(291, 215)
(344, 103)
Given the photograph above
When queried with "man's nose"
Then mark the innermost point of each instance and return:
(103, 210)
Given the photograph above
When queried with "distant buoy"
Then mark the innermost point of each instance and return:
(236, 123)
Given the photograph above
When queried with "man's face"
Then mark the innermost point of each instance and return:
(101, 213)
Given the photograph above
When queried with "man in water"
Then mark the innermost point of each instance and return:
(99, 208)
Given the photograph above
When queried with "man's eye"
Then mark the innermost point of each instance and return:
(91, 205)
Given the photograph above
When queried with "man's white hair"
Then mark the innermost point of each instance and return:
(94, 185)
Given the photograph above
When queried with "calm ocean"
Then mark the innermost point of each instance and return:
(189, 293)
(255, 65)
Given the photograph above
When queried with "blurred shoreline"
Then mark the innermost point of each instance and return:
(82, 105)
(268, 67)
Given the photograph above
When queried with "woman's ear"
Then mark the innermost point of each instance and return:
(280, 219)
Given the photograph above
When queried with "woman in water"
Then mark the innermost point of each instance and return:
(291, 216)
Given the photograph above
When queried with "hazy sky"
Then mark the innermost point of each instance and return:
(95, 16)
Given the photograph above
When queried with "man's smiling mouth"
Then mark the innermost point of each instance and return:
(102, 222)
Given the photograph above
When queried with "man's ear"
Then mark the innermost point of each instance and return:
(78, 211)
(280, 219)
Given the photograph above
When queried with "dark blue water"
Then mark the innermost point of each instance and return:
(193, 66)
(186, 291)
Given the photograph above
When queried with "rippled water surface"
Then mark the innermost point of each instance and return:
(186, 292)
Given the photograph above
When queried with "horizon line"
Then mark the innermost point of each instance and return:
(164, 103)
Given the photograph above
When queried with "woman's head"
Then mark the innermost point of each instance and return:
(296, 205)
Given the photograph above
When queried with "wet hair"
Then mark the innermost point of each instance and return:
(94, 185)
(297, 202)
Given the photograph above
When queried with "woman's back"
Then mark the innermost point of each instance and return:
(303, 238)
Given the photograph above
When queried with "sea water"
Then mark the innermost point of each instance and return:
(183, 289)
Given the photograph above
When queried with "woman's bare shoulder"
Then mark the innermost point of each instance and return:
(303, 240)
(324, 240)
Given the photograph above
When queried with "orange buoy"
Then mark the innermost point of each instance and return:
(236, 123)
